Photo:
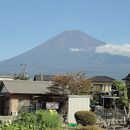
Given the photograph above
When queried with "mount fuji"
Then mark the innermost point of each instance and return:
(70, 51)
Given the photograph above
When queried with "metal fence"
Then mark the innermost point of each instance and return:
(109, 117)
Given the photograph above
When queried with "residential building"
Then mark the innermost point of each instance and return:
(102, 83)
(127, 82)
(18, 96)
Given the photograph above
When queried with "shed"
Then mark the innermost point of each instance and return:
(77, 103)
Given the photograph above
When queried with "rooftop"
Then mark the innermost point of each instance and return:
(102, 79)
(25, 87)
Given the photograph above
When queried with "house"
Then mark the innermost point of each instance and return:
(103, 86)
(127, 82)
(102, 83)
(18, 96)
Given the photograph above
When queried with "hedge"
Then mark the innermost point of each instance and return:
(85, 118)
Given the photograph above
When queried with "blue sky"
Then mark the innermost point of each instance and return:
(25, 24)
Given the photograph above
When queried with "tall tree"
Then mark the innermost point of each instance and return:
(70, 84)
(122, 90)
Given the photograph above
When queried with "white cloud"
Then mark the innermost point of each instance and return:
(114, 49)
(77, 49)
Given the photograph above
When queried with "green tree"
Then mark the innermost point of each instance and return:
(122, 90)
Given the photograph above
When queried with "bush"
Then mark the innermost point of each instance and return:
(49, 118)
(90, 128)
(29, 118)
(85, 118)
(39, 120)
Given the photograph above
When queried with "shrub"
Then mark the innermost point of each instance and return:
(48, 118)
(90, 128)
(29, 118)
(39, 120)
(85, 118)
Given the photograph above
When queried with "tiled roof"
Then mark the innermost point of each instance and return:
(25, 87)
(102, 79)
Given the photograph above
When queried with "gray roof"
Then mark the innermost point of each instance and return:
(25, 87)
(102, 79)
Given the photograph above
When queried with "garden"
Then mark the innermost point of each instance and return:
(50, 120)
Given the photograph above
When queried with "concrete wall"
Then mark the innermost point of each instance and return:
(77, 103)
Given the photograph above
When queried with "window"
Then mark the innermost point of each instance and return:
(23, 105)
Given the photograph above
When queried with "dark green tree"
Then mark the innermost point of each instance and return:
(122, 90)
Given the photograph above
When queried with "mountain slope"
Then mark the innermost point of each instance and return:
(69, 51)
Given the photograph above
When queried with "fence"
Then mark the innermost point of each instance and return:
(110, 117)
